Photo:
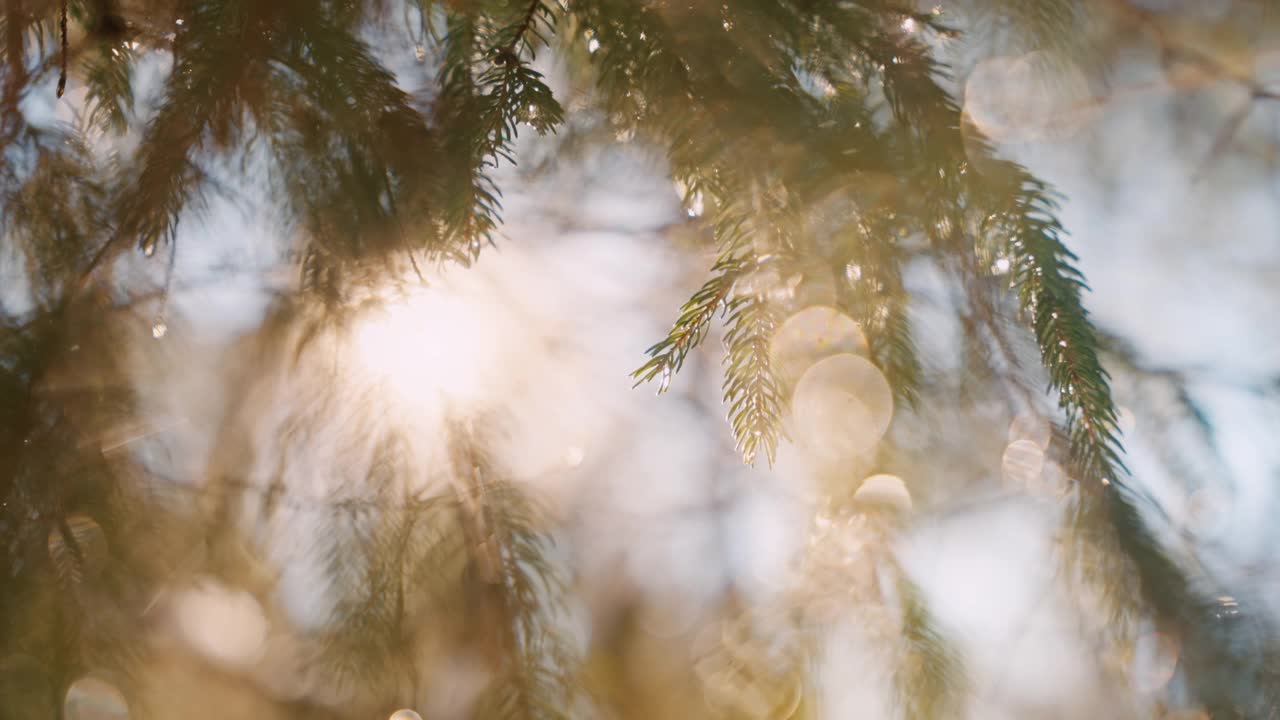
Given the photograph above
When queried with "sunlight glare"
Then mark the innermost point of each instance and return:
(412, 344)
(227, 626)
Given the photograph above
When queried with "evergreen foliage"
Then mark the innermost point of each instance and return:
(818, 143)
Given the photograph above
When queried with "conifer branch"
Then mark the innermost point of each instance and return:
(62, 57)
(524, 26)
(519, 586)
(203, 106)
(667, 356)
(752, 388)
(873, 293)
(929, 677)
(488, 88)
(893, 349)
(1049, 288)
(109, 82)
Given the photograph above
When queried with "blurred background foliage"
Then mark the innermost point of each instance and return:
(823, 150)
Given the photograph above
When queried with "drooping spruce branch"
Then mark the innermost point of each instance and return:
(668, 355)
(108, 75)
(71, 548)
(752, 389)
(518, 590)
(405, 554)
(1049, 288)
(488, 88)
(868, 272)
(53, 208)
(893, 349)
(338, 132)
(849, 581)
(929, 678)
(810, 133)
(204, 108)
(1022, 211)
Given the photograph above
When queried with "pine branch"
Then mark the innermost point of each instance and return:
(379, 560)
(667, 356)
(870, 265)
(355, 154)
(527, 24)
(1107, 547)
(203, 106)
(752, 388)
(894, 352)
(70, 569)
(13, 33)
(53, 209)
(1049, 288)
(930, 678)
(520, 587)
(488, 89)
(109, 80)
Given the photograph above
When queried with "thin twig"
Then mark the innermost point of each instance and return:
(511, 49)
(62, 29)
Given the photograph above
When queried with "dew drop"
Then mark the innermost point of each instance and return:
(665, 383)
(159, 329)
